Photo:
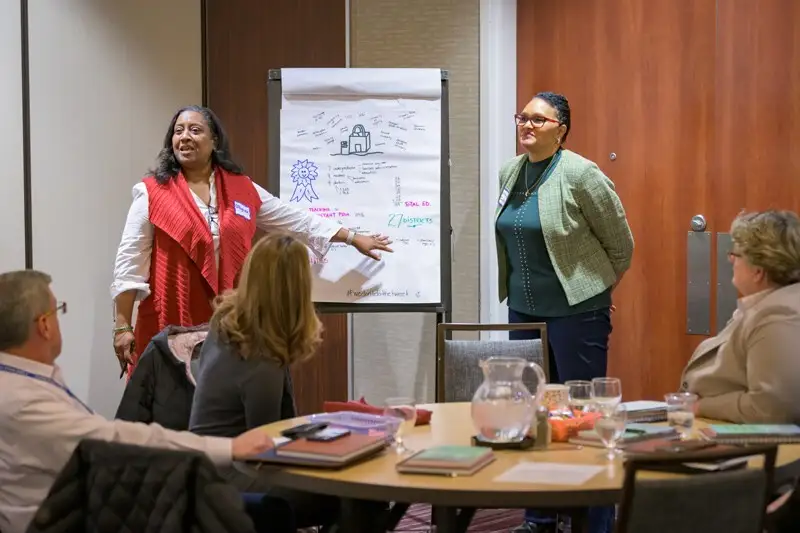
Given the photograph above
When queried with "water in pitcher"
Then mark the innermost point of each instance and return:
(503, 420)
(503, 408)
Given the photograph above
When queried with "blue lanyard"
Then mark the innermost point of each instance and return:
(51, 381)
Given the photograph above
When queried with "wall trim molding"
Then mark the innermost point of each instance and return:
(498, 101)
(26, 132)
(204, 49)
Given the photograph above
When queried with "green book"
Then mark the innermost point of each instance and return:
(753, 433)
(447, 460)
(452, 454)
(755, 429)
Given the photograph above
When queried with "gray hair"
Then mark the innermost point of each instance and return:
(770, 240)
(24, 295)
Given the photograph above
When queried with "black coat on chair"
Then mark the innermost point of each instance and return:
(118, 488)
(161, 388)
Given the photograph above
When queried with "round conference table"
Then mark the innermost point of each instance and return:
(452, 497)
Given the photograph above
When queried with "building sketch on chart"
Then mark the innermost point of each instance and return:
(304, 172)
(359, 142)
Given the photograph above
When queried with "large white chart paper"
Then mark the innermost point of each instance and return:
(375, 167)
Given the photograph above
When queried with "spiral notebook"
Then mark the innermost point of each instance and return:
(753, 433)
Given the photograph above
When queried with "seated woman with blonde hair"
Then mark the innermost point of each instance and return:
(750, 372)
(256, 333)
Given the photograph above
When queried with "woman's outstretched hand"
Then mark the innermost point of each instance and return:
(370, 245)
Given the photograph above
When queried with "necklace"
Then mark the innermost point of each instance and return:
(535, 183)
(539, 179)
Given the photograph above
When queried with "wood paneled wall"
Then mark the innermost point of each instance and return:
(244, 39)
(697, 100)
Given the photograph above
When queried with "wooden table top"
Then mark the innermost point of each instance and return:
(376, 479)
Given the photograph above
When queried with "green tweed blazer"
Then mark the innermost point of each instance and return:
(583, 221)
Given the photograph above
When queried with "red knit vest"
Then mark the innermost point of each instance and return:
(183, 273)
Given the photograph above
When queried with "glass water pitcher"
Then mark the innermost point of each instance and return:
(503, 408)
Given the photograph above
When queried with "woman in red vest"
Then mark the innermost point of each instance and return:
(189, 228)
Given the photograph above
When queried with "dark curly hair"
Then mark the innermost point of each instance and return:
(560, 103)
(167, 167)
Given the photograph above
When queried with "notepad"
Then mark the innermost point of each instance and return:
(633, 433)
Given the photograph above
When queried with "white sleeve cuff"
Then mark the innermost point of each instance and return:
(220, 450)
(120, 286)
(320, 243)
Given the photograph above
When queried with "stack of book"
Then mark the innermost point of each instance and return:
(333, 454)
(753, 433)
(633, 433)
(646, 411)
(447, 461)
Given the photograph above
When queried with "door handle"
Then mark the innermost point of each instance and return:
(698, 223)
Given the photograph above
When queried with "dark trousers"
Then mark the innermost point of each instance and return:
(578, 346)
(283, 509)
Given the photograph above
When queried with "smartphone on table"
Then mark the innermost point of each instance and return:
(328, 435)
(303, 430)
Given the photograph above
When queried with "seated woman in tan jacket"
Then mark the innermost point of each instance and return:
(750, 372)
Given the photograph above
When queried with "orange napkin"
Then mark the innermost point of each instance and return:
(564, 428)
(361, 406)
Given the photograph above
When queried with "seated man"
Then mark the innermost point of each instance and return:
(42, 421)
(750, 372)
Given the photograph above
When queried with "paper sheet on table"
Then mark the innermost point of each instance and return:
(549, 473)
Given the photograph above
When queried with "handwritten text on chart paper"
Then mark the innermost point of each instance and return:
(399, 220)
(372, 170)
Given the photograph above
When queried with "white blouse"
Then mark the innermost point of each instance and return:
(132, 265)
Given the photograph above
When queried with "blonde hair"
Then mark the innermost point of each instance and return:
(770, 240)
(271, 314)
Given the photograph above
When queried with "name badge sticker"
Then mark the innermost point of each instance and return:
(241, 210)
(503, 197)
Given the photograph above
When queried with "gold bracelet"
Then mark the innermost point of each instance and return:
(123, 329)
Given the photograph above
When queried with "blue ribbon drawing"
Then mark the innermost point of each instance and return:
(303, 173)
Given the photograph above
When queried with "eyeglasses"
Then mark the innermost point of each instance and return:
(537, 121)
(61, 307)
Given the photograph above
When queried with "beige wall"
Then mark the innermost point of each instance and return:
(12, 213)
(105, 77)
(394, 353)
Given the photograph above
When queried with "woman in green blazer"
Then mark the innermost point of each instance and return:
(563, 244)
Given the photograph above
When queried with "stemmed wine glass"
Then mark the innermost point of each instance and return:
(580, 395)
(611, 426)
(404, 410)
(606, 391)
(681, 407)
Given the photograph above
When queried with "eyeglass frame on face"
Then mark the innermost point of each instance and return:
(521, 120)
(61, 307)
(733, 255)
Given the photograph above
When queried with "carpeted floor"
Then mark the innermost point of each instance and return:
(418, 520)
